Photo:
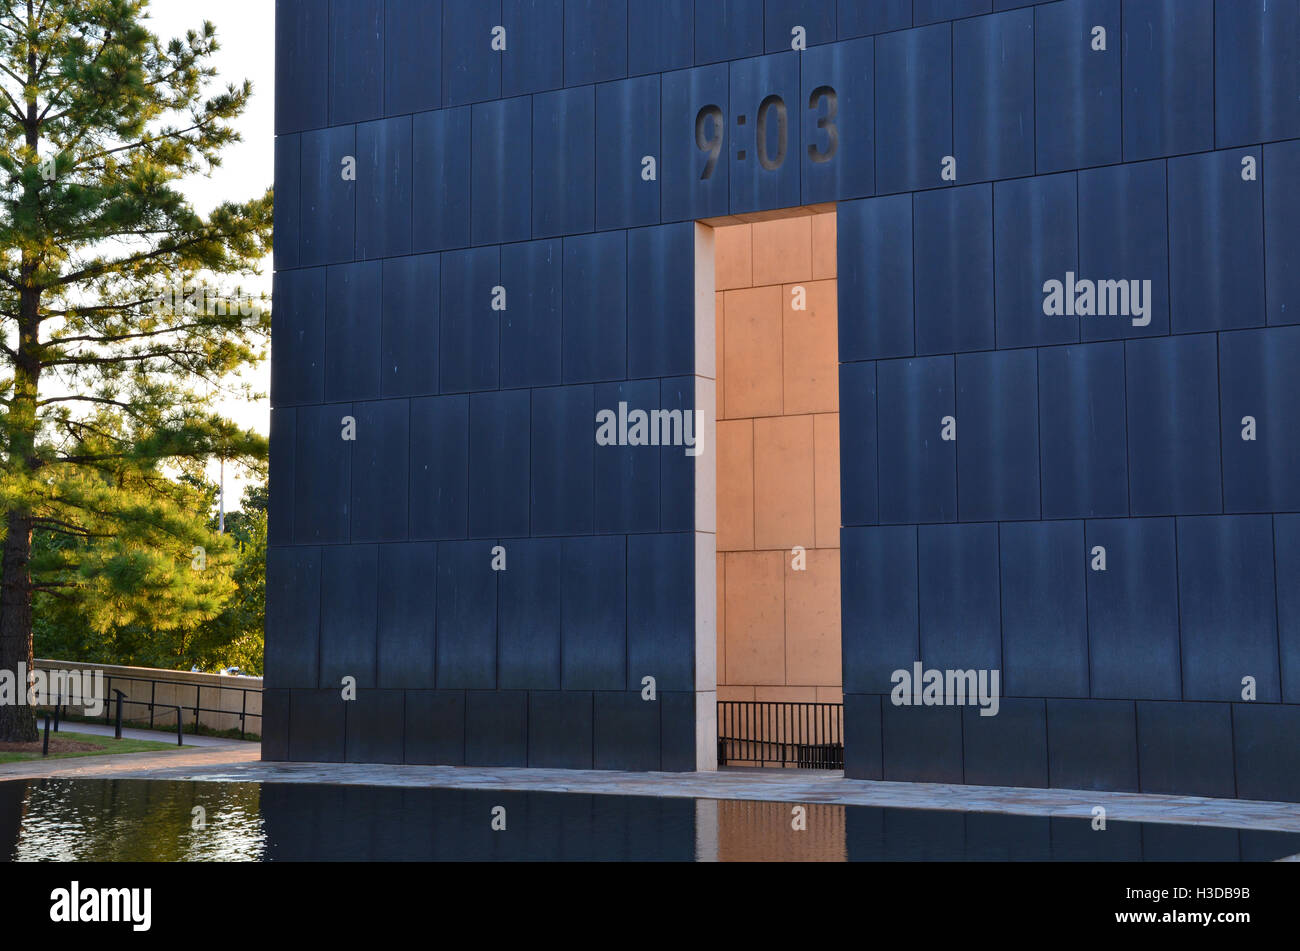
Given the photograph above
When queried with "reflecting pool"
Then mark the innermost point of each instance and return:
(149, 820)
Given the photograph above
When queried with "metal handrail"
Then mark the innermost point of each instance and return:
(197, 706)
(61, 703)
(180, 715)
(801, 734)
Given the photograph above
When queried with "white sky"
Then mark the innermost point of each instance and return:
(246, 32)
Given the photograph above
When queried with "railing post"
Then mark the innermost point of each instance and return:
(153, 695)
(198, 693)
(56, 714)
(243, 710)
(180, 727)
(117, 732)
(45, 750)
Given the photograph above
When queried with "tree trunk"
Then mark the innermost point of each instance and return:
(17, 721)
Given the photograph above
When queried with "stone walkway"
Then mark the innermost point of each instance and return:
(239, 762)
(145, 765)
(158, 736)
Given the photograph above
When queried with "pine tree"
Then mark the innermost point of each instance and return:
(112, 353)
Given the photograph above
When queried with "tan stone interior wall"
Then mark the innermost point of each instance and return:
(751, 831)
(778, 463)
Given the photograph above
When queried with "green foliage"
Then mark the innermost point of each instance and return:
(113, 348)
(233, 637)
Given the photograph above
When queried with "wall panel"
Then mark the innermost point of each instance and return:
(1110, 523)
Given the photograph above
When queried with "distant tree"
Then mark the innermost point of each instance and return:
(235, 638)
(90, 628)
(254, 504)
(111, 356)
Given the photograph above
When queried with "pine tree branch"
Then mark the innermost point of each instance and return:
(147, 140)
(17, 113)
(87, 399)
(120, 358)
(118, 338)
(97, 309)
(89, 273)
(14, 76)
(108, 36)
(60, 527)
(49, 44)
(58, 594)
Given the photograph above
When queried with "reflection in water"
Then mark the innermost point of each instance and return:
(125, 820)
(915, 835)
(12, 797)
(146, 820)
(764, 832)
(370, 823)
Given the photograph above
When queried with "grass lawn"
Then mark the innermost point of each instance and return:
(65, 744)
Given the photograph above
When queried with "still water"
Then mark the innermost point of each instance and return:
(148, 820)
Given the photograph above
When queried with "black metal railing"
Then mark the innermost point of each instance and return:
(57, 712)
(196, 708)
(152, 704)
(769, 733)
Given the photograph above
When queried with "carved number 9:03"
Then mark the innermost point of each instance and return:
(710, 131)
